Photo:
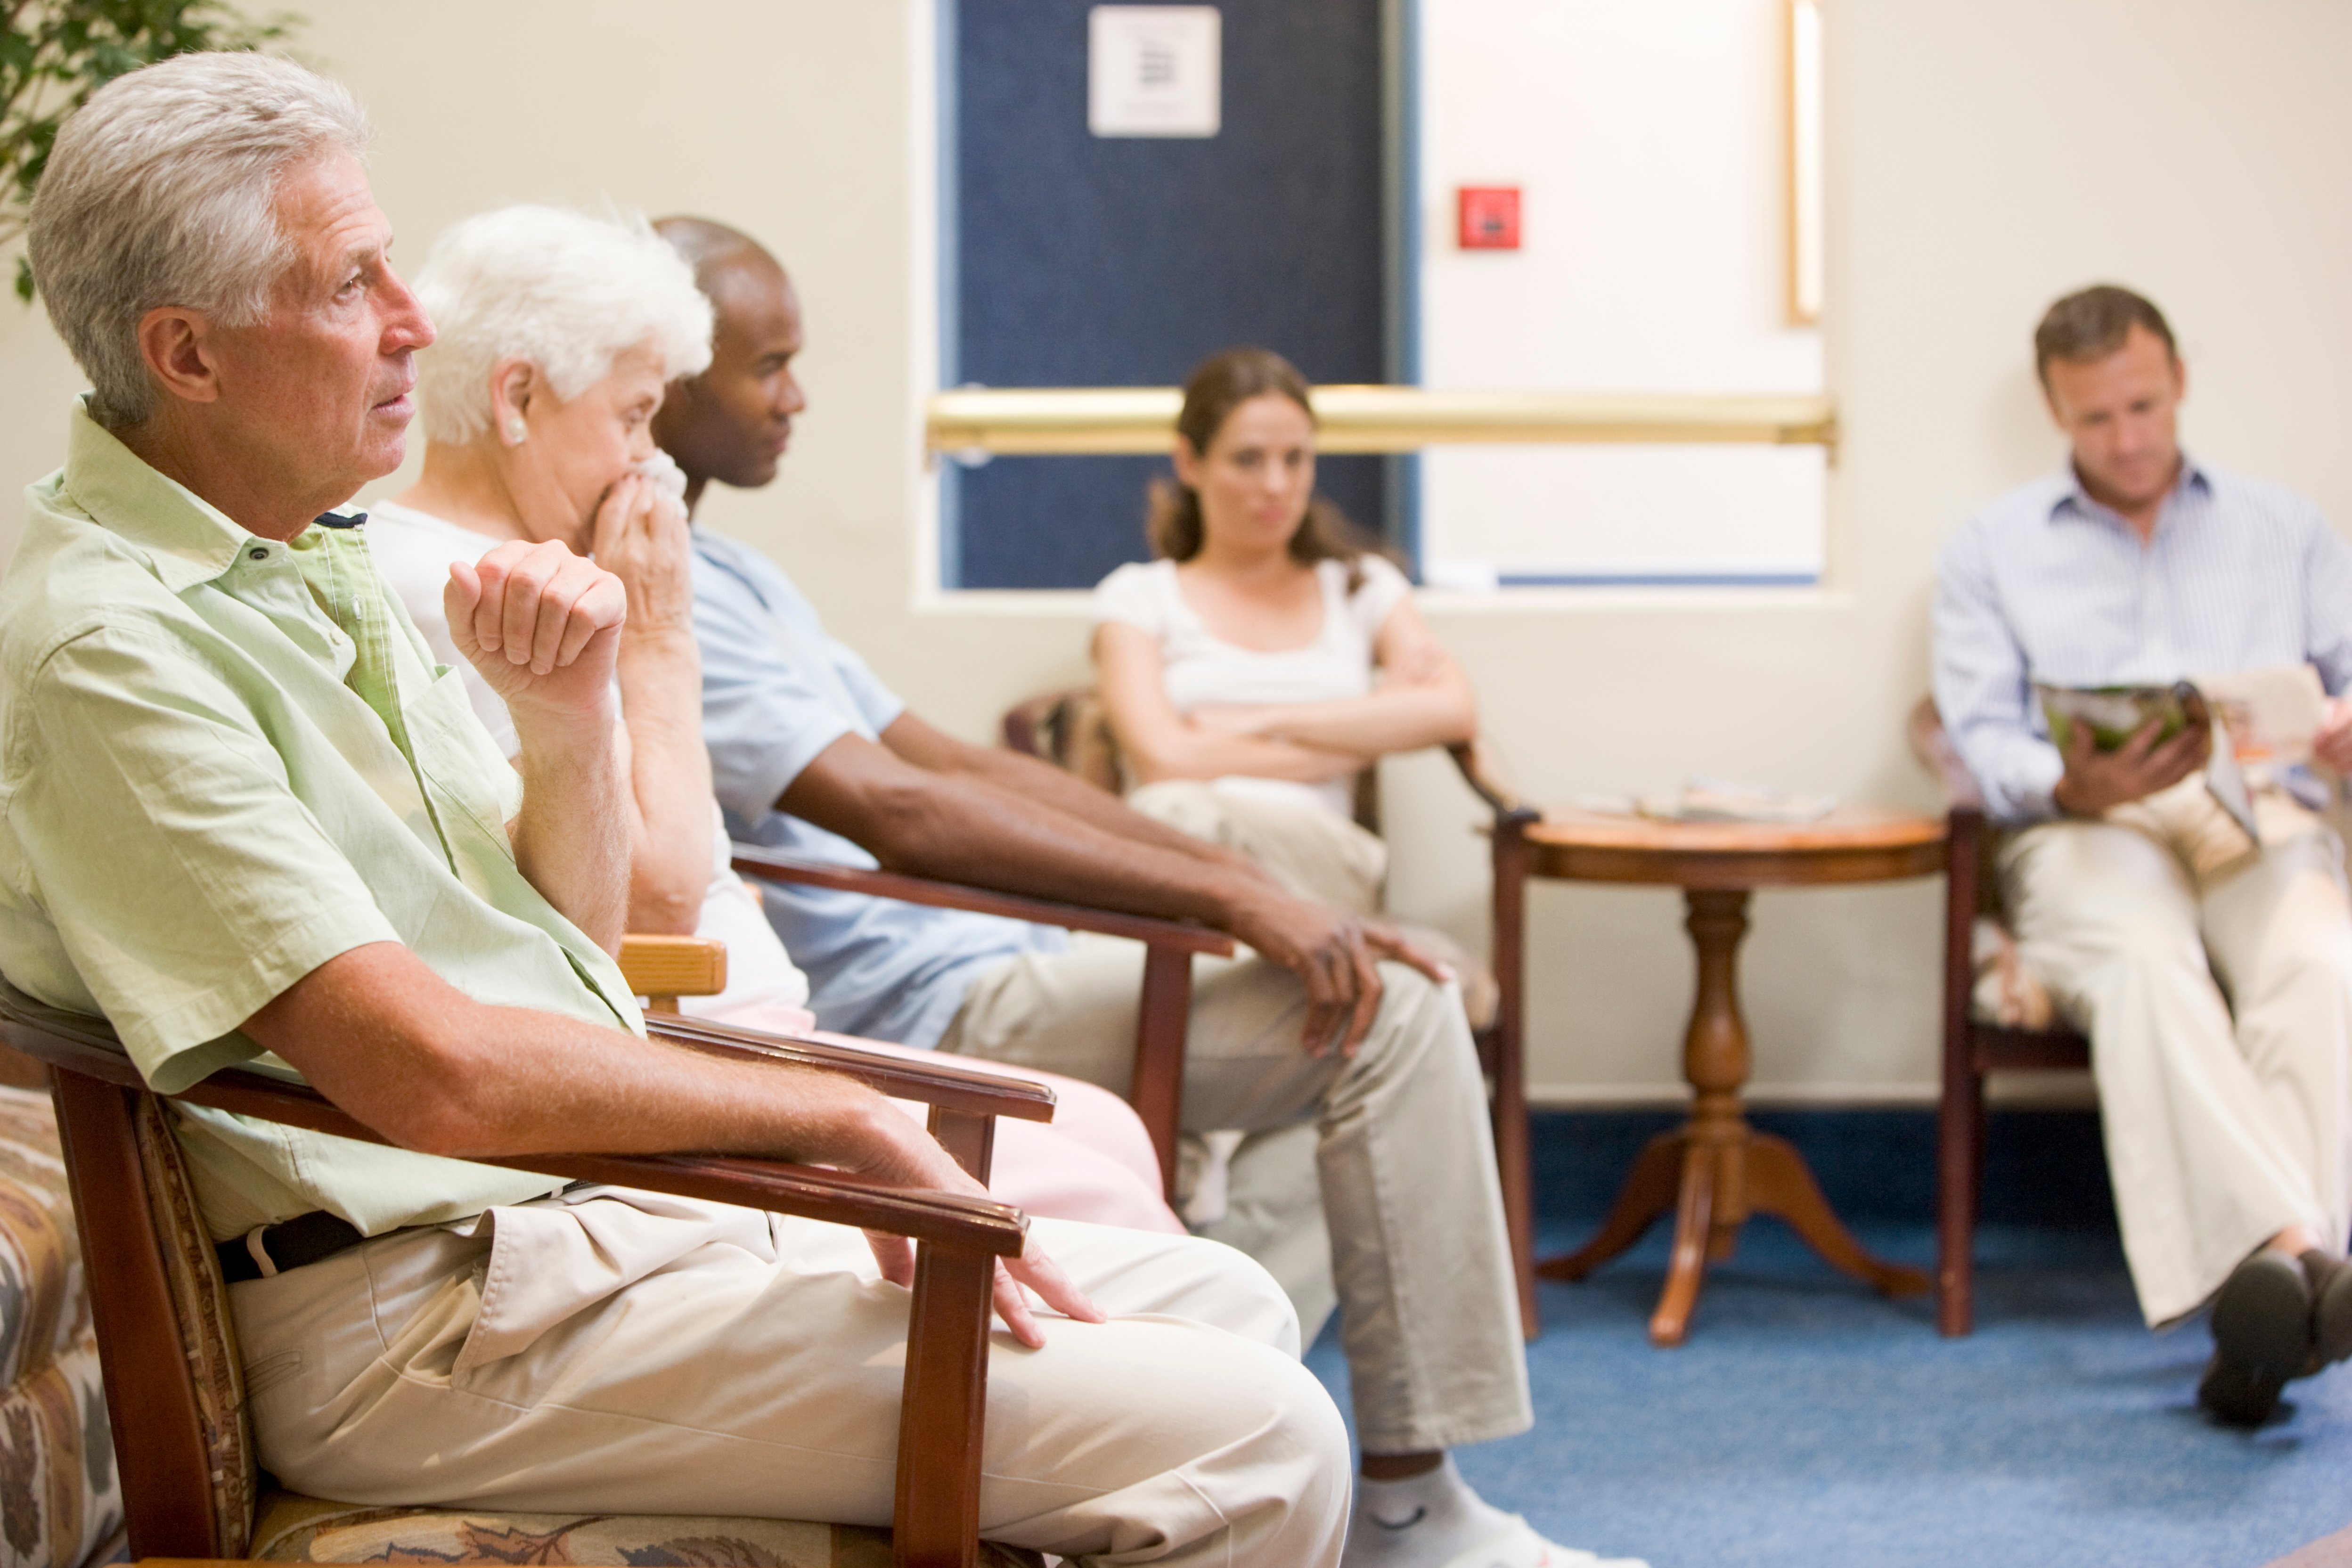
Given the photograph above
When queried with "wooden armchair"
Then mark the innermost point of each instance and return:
(1156, 1089)
(661, 969)
(175, 1388)
(1973, 1046)
(1071, 730)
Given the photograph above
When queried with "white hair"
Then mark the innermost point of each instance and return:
(161, 190)
(563, 289)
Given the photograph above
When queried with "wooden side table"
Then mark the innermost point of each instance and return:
(1715, 1171)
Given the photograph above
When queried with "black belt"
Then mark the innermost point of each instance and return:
(305, 1239)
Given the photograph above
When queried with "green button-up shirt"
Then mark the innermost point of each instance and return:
(207, 789)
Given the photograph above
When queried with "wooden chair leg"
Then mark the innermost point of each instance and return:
(1162, 1021)
(1513, 1164)
(1960, 1147)
(942, 1410)
(1510, 1058)
(1959, 1120)
(158, 1433)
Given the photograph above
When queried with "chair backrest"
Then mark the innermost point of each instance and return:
(1932, 745)
(174, 1389)
(661, 969)
(1071, 728)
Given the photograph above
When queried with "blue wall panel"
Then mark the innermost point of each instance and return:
(1086, 261)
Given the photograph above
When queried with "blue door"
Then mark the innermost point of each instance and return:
(1077, 260)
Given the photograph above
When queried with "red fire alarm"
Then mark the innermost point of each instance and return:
(1489, 216)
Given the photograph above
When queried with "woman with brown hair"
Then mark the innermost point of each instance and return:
(1268, 656)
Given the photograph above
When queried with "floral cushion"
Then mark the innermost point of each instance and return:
(287, 1527)
(2005, 991)
(296, 1529)
(59, 1498)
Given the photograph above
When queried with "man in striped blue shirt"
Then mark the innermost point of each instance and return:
(2213, 973)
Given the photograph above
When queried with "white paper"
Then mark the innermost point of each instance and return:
(1154, 70)
(2270, 714)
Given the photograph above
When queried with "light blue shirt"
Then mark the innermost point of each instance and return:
(2047, 586)
(776, 692)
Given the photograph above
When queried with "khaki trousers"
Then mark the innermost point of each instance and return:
(1313, 854)
(618, 1352)
(2215, 981)
(1428, 1310)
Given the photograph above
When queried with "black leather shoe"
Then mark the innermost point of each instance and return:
(2262, 1337)
(2330, 1282)
(2237, 1395)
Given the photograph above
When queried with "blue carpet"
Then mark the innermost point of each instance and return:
(1810, 1424)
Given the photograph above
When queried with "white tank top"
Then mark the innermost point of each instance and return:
(1201, 669)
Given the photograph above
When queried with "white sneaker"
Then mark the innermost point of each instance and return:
(1521, 1547)
(1422, 1522)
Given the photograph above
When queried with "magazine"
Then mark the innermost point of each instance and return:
(2114, 714)
(1720, 800)
(2270, 714)
(2262, 720)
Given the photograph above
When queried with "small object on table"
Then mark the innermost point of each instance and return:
(1721, 800)
(1715, 1171)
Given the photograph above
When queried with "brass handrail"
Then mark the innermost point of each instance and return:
(1073, 420)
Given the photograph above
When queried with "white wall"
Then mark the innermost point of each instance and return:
(1649, 145)
(1984, 157)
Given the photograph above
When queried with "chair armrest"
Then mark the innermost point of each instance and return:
(905, 889)
(1482, 771)
(673, 965)
(943, 1084)
(88, 1047)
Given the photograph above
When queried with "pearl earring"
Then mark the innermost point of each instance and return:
(516, 430)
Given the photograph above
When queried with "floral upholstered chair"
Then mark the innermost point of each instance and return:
(60, 1501)
(192, 1488)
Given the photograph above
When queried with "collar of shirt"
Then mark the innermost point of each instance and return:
(2073, 500)
(188, 538)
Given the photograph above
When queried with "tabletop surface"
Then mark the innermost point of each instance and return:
(1846, 829)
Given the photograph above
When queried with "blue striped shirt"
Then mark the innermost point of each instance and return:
(2046, 584)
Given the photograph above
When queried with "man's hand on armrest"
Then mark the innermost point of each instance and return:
(393, 1044)
(2095, 782)
(961, 828)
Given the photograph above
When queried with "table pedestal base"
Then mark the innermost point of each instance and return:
(1713, 1188)
(1716, 1170)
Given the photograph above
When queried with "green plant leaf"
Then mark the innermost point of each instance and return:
(55, 53)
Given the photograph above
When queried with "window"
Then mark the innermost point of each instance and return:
(1657, 165)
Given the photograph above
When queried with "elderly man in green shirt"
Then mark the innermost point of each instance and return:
(245, 816)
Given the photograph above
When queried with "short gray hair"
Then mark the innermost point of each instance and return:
(567, 291)
(161, 190)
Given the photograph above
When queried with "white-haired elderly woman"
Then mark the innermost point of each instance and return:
(558, 332)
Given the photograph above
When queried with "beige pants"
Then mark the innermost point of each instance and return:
(627, 1352)
(1312, 853)
(1428, 1310)
(2215, 981)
